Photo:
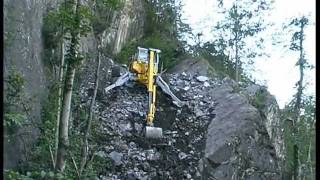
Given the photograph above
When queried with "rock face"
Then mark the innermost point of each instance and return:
(126, 25)
(192, 66)
(271, 113)
(217, 134)
(238, 145)
(23, 52)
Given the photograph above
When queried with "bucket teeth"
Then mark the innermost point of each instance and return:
(153, 132)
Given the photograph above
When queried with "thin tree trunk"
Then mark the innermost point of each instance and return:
(59, 100)
(309, 160)
(237, 62)
(64, 120)
(85, 147)
(66, 105)
(298, 106)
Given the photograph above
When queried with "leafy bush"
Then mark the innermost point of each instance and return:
(259, 100)
(43, 175)
(14, 114)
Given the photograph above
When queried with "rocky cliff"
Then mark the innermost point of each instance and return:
(24, 53)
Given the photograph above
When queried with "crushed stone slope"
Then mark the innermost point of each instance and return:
(217, 134)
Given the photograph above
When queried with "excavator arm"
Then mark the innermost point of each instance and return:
(150, 130)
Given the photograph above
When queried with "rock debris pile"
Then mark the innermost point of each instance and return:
(122, 113)
(216, 134)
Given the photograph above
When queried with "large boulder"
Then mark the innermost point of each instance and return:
(238, 144)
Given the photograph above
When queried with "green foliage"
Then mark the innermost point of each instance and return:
(14, 114)
(301, 133)
(49, 113)
(11, 175)
(300, 22)
(33, 175)
(242, 21)
(161, 32)
(15, 84)
(166, 45)
(217, 59)
(64, 23)
(52, 30)
(13, 119)
(126, 52)
(259, 100)
(40, 159)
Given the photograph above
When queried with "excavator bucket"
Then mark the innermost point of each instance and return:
(153, 132)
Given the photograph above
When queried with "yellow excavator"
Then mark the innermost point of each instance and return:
(143, 68)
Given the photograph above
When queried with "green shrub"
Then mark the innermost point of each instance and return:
(34, 175)
(14, 97)
(259, 100)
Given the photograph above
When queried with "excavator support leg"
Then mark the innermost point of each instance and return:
(120, 81)
(166, 89)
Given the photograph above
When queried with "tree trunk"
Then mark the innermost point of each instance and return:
(66, 105)
(237, 62)
(85, 147)
(64, 120)
(298, 104)
(237, 48)
(309, 159)
(59, 100)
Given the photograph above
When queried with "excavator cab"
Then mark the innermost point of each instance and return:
(143, 68)
(142, 55)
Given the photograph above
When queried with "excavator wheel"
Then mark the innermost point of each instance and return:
(153, 132)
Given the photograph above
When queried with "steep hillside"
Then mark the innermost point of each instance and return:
(225, 130)
(220, 132)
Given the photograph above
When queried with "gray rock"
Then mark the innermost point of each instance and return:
(235, 121)
(146, 166)
(138, 127)
(132, 145)
(152, 155)
(101, 154)
(206, 84)
(182, 155)
(116, 157)
(199, 113)
(141, 113)
(229, 82)
(202, 78)
(186, 88)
